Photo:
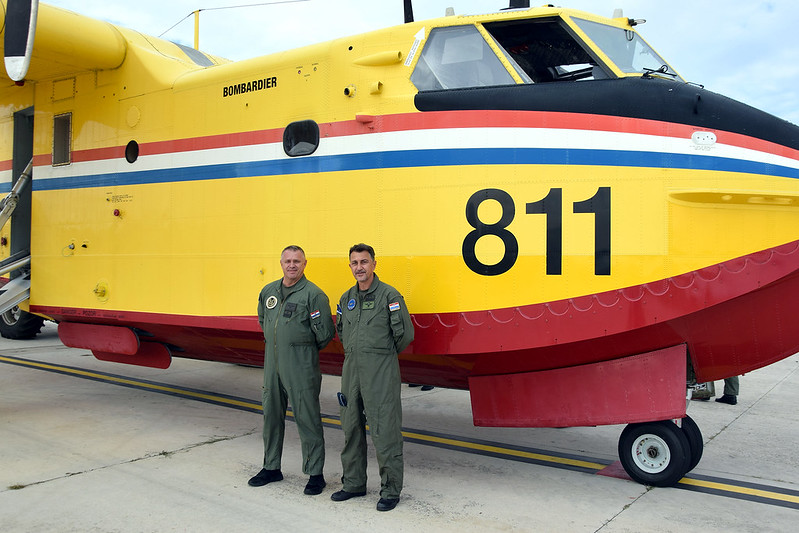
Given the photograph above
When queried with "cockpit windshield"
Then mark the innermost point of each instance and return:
(625, 48)
(540, 50)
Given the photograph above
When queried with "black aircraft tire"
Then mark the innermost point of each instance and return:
(695, 441)
(18, 324)
(655, 453)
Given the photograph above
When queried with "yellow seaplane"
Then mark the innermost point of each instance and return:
(580, 234)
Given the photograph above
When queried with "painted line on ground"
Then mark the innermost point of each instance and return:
(698, 483)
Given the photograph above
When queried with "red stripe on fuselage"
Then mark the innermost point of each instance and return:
(433, 120)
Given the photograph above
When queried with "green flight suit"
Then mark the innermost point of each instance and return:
(374, 326)
(297, 324)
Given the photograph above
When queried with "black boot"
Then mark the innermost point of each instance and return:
(343, 495)
(315, 485)
(728, 399)
(387, 504)
(265, 476)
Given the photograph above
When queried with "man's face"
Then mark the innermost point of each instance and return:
(362, 266)
(293, 265)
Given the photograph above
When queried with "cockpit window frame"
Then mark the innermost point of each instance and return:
(556, 48)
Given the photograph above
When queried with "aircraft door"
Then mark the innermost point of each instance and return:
(15, 323)
(22, 154)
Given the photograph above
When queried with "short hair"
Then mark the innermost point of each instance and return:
(293, 248)
(361, 247)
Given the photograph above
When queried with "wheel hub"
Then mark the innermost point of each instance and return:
(651, 454)
(11, 317)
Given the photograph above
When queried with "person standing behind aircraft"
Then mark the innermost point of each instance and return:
(295, 317)
(731, 389)
(374, 326)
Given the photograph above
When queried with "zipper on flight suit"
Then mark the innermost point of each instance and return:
(279, 312)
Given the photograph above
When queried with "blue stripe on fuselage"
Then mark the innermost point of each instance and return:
(419, 158)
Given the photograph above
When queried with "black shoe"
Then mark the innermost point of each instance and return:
(315, 485)
(427, 387)
(265, 476)
(343, 495)
(387, 504)
(728, 399)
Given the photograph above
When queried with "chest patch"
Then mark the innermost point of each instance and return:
(289, 309)
(368, 302)
(351, 304)
(271, 302)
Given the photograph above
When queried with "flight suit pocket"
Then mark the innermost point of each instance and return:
(297, 324)
(397, 326)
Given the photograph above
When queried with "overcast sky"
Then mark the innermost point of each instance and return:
(745, 49)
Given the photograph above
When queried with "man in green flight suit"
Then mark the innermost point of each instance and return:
(295, 317)
(374, 326)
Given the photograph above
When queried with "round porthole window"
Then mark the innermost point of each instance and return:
(132, 151)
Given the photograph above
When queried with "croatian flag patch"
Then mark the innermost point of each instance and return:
(316, 314)
(394, 306)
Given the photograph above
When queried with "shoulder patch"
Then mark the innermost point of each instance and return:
(316, 314)
(394, 306)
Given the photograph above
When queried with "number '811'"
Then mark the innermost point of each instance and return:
(551, 206)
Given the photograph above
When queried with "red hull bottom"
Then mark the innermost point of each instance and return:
(733, 317)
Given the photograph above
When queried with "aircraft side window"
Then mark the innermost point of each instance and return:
(132, 152)
(457, 57)
(301, 138)
(62, 139)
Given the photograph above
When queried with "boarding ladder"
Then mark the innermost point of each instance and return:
(18, 289)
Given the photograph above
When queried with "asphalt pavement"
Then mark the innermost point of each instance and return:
(88, 446)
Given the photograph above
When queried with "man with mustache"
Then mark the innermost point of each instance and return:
(374, 326)
(295, 317)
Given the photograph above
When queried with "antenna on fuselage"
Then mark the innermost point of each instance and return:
(196, 14)
(518, 4)
(408, 4)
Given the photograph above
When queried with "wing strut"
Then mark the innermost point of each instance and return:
(9, 203)
(18, 289)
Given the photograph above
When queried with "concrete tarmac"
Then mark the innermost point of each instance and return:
(92, 446)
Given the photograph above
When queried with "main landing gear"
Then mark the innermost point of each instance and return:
(660, 453)
(18, 324)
